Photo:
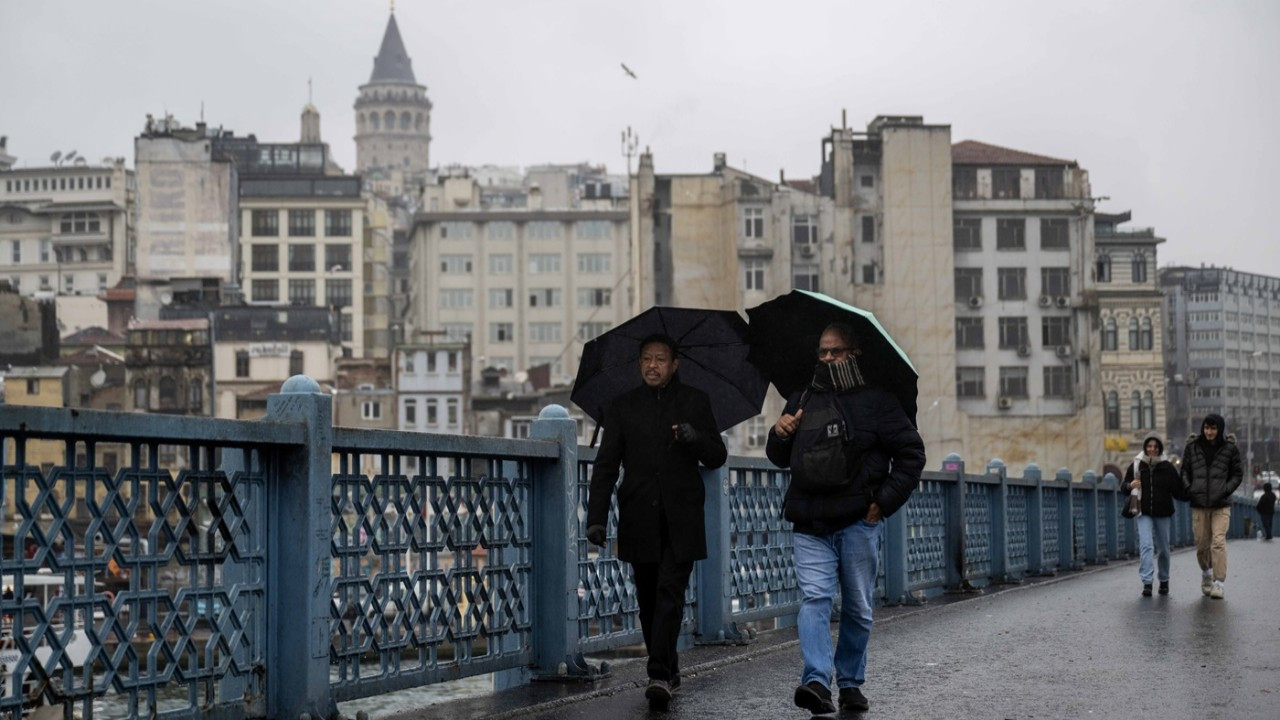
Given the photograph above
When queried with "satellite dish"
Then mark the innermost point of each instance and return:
(166, 297)
(97, 379)
(57, 155)
(521, 376)
(69, 155)
(81, 162)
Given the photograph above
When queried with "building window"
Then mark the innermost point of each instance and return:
(371, 410)
(757, 432)
(753, 222)
(433, 412)
(1110, 339)
(265, 258)
(804, 229)
(456, 298)
(1057, 381)
(1138, 270)
(295, 362)
(1011, 234)
(868, 228)
(1135, 343)
(337, 223)
(1148, 410)
(544, 297)
(542, 332)
(337, 293)
(455, 264)
(500, 297)
(1146, 341)
(544, 263)
(593, 230)
(806, 278)
(501, 332)
(102, 282)
(869, 274)
(139, 394)
(451, 412)
(1055, 331)
(302, 223)
(1013, 381)
(501, 230)
(1104, 268)
(345, 327)
(455, 230)
(302, 292)
(969, 333)
(1112, 405)
(1013, 332)
(1049, 184)
(500, 264)
(1006, 183)
(964, 183)
(1013, 283)
(753, 274)
(1054, 234)
(971, 382)
(594, 262)
(337, 258)
(80, 223)
(33, 387)
(867, 181)
(265, 223)
(17, 252)
(411, 413)
(1135, 410)
(302, 258)
(1055, 282)
(195, 395)
(595, 297)
(968, 283)
(69, 283)
(590, 330)
(542, 230)
(265, 290)
(967, 234)
(46, 248)
(242, 363)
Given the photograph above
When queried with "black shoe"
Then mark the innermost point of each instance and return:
(659, 694)
(1146, 590)
(1164, 587)
(675, 683)
(852, 700)
(815, 697)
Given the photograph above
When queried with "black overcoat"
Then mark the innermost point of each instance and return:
(661, 478)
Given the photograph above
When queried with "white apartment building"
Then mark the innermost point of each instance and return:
(432, 387)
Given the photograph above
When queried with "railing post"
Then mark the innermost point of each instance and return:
(1090, 482)
(556, 652)
(1066, 522)
(1111, 516)
(999, 521)
(954, 508)
(895, 558)
(1035, 520)
(715, 614)
(299, 585)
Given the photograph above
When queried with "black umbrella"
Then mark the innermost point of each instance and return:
(712, 353)
(785, 333)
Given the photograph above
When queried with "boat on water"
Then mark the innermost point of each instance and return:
(39, 589)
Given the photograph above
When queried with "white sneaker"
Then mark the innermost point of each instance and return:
(1218, 591)
(1206, 584)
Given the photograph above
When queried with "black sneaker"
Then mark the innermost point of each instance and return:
(852, 700)
(675, 683)
(1146, 590)
(815, 697)
(1164, 587)
(659, 694)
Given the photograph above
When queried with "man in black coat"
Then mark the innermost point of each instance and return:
(1211, 472)
(658, 432)
(1266, 509)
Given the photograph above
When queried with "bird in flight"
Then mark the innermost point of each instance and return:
(628, 71)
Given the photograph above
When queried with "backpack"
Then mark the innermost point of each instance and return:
(820, 455)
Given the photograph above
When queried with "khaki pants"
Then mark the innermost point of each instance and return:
(1209, 526)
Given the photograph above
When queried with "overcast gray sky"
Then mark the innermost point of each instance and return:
(1170, 105)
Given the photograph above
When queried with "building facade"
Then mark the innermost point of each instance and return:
(168, 366)
(433, 393)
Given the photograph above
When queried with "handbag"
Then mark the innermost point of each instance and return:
(1133, 506)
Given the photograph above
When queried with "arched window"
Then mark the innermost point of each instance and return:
(417, 122)
(195, 395)
(1139, 269)
(1135, 411)
(168, 392)
(405, 119)
(389, 119)
(1133, 334)
(1104, 268)
(1148, 410)
(374, 121)
(140, 394)
(1113, 410)
(1110, 337)
(1145, 336)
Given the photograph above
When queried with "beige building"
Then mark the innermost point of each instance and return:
(38, 386)
(257, 348)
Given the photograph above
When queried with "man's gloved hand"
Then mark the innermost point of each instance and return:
(595, 535)
(686, 434)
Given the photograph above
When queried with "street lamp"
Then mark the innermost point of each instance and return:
(1253, 391)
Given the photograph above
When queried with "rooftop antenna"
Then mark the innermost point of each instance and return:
(201, 111)
(630, 141)
(393, 7)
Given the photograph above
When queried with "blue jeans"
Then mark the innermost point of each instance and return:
(845, 560)
(1153, 539)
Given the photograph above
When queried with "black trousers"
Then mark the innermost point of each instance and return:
(660, 591)
(1266, 524)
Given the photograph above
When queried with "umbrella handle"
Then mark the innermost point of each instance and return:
(595, 435)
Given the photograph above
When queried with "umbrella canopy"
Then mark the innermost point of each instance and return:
(712, 354)
(785, 333)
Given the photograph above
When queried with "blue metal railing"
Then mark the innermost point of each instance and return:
(211, 568)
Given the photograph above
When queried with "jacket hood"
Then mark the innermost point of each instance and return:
(1220, 422)
(1149, 438)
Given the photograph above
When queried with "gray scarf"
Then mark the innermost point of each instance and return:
(837, 376)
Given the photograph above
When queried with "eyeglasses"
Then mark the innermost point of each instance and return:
(833, 352)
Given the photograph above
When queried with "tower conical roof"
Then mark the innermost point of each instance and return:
(392, 64)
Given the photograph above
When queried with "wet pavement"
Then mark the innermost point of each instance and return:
(1079, 645)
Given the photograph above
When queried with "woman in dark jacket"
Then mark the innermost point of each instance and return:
(1156, 481)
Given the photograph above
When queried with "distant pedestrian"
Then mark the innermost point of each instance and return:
(1266, 509)
(1211, 472)
(1157, 482)
(855, 458)
(658, 433)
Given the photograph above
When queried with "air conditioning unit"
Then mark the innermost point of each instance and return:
(1062, 301)
(975, 301)
(1064, 351)
(807, 249)
(1045, 301)
(1024, 351)
(1004, 403)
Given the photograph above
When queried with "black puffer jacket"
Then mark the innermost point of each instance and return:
(1211, 471)
(1160, 486)
(891, 458)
